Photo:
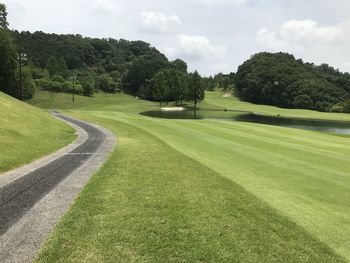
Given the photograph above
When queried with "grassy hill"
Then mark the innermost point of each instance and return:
(206, 190)
(28, 133)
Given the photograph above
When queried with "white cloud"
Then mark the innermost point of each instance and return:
(297, 35)
(197, 47)
(224, 23)
(223, 2)
(158, 22)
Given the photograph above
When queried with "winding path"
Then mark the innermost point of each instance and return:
(34, 198)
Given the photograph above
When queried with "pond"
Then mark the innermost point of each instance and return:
(315, 125)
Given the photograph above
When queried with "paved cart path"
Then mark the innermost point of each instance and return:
(31, 203)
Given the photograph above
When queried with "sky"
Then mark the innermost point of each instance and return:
(210, 35)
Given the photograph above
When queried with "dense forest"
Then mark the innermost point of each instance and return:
(82, 65)
(101, 64)
(281, 80)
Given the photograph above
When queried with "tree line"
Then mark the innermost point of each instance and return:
(83, 65)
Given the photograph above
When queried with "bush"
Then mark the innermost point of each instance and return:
(346, 107)
(88, 89)
(38, 73)
(303, 102)
(67, 86)
(337, 108)
(56, 86)
(58, 78)
(43, 83)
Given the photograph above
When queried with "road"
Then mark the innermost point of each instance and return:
(21, 195)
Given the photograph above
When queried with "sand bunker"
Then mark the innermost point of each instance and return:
(172, 109)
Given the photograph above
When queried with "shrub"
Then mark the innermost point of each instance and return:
(337, 108)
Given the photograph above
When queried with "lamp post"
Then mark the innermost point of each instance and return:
(73, 91)
(22, 57)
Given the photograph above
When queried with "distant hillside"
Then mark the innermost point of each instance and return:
(109, 65)
(27, 133)
(102, 55)
(281, 80)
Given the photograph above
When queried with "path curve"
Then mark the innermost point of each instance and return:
(34, 197)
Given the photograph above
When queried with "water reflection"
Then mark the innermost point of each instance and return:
(316, 125)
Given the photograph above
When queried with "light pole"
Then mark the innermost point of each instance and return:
(21, 57)
(73, 91)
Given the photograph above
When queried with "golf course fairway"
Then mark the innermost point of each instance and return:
(206, 190)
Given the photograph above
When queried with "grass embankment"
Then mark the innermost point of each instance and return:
(174, 189)
(28, 133)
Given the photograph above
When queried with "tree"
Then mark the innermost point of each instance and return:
(179, 65)
(28, 84)
(195, 89)
(62, 68)
(88, 89)
(51, 65)
(8, 64)
(142, 70)
(159, 87)
(3, 17)
(180, 86)
(303, 102)
(103, 83)
(57, 66)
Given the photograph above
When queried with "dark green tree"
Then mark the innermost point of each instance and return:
(88, 89)
(8, 64)
(179, 65)
(159, 87)
(3, 17)
(62, 68)
(303, 102)
(196, 91)
(57, 66)
(51, 65)
(28, 84)
(180, 86)
(142, 70)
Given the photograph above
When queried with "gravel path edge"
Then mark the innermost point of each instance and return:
(23, 240)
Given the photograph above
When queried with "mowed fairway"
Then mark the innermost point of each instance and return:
(207, 191)
(28, 133)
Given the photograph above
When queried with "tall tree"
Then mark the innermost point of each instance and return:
(51, 65)
(159, 87)
(180, 86)
(62, 68)
(3, 17)
(8, 64)
(179, 64)
(57, 66)
(196, 90)
(28, 84)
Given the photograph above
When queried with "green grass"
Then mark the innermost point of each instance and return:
(216, 99)
(207, 190)
(28, 133)
(151, 203)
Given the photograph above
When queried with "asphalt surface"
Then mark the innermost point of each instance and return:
(21, 195)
